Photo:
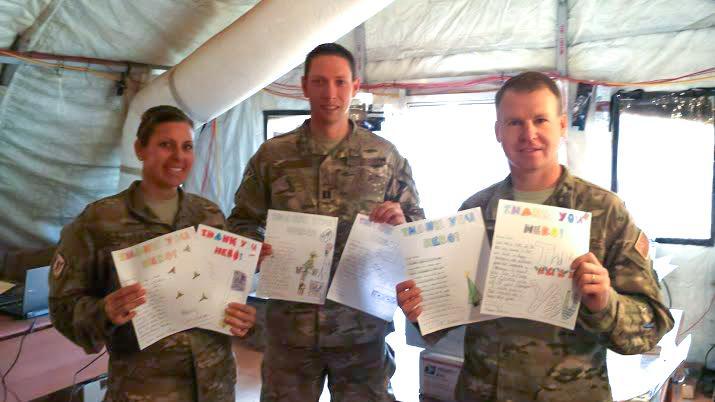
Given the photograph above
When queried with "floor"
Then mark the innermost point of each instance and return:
(405, 382)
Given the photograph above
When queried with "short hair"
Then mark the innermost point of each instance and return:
(529, 81)
(156, 115)
(330, 49)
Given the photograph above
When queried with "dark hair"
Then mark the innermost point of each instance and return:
(330, 49)
(529, 81)
(156, 115)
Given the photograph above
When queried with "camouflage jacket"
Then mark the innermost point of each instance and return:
(191, 365)
(291, 173)
(522, 360)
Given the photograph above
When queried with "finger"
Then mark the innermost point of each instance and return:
(125, 290)
(388, 209)
(585, 270)
(133, 304)
(236, 323)
(402, 286)
(414, 314)
(412, 304)
(394, 217)
(241, 315)
(128, 297)
(266, 250)
(407, 295)
(588, 257)
(239, 331)
(591, 290)
(246, 308)
(123, 318)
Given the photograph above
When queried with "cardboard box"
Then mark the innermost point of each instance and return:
(438, 375)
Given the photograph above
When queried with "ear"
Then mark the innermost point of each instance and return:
(138, 150)
(496, 131)
(563, 125)
(304, 84)
(356, 86)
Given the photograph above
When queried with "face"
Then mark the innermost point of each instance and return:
(169, 155)
(529, 128)
(329, 87)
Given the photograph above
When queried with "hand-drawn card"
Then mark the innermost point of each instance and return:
(529, 274)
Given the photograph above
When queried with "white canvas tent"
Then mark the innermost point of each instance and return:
(60, 130)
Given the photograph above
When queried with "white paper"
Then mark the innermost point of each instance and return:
(227, 263)
(529, 273)
(165, 268)
(5, 286)
(663, 267)
(369, 269)
(447, 259)
(299, 268)
(634, 375)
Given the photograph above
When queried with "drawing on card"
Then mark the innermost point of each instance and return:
(547, 298)
(203, 297)
(475, 297)
(315, 289)
(173, 270)
(571, 304)
(238, 282)
(308, 268)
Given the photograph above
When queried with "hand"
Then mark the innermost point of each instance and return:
(409, 299)
(592, 280)
(266, 251)
(388, 212)
(119, 305)
(240, 317)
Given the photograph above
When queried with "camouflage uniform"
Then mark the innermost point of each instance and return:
(307, 341)
(510, 359)
(191, 365)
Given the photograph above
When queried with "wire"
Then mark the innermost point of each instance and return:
(29, 60)
(5, 387)
(710, 306)
(705, 362)
(74, 378)
(667, 291)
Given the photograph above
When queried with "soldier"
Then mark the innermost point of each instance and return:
(328, 166)
(510, 359)
(89, 307)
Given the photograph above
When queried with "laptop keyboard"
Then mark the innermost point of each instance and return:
(9, 299)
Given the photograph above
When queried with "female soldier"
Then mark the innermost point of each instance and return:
(89, 307)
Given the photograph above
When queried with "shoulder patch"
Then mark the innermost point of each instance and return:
(58, 265)
(642, 245)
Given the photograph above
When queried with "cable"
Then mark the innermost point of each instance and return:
(699, 319)
(5, 387)
(667, 291)
(74, 378)
(705, 362)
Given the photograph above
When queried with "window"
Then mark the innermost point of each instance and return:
(663, 162)
(277, 122)
(450, 143)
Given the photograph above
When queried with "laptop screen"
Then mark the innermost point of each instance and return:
(36, 290)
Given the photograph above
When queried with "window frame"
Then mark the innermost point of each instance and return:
(637, 95)
(267, 114)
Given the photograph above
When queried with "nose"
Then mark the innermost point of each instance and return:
(528, 131)
(330, 90)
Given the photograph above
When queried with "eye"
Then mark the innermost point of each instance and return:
(513, 123)
(541, 120)
(188, 147)
(340, 82)
(165, 144)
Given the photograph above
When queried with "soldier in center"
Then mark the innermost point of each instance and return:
(328, 166)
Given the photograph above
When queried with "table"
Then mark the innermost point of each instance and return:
(48, 361)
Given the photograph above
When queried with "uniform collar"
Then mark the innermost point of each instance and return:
(561, 197)
(137, 205)
(349, 146)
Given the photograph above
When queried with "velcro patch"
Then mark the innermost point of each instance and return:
(58, 265)
(642, 245)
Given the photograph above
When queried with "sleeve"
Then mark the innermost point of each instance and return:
(635, 318)
(76, 310)
(402, 189)
(248, 217)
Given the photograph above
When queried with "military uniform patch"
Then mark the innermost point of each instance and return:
(58, 265)
(642, 245)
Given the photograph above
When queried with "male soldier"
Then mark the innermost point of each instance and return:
(510, 359)
(328, 166)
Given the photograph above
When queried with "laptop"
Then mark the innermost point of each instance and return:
(30, 300)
